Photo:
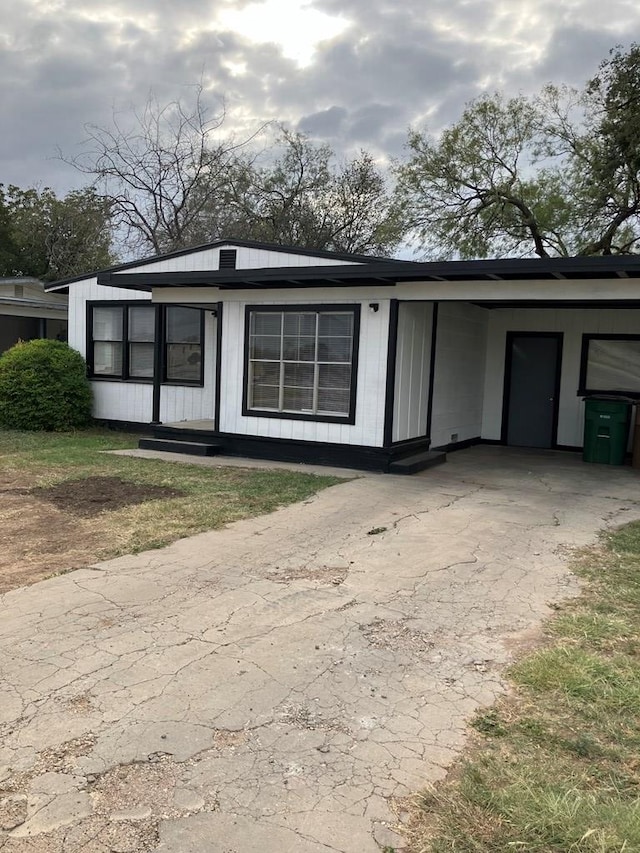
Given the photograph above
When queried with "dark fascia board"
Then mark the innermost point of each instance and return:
(247, 279)
(246, 244)
(509, 269)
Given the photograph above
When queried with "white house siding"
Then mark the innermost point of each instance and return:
(118, 401)
(246, 258)
(372, 368)
(413, 358)
(185, 402)
(133, 401)
(461, 341)
(573, 323)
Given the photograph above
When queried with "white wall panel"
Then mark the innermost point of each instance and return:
(573, 323)
(123, 401)
(459, 373)
(246, 258)
(186, 403)
(369, 425)
(413, 357)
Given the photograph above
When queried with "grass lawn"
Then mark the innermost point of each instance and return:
(556, 767)
(44, 531)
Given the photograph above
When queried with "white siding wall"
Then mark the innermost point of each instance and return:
(246, 258)
(369, 426)
(186, 403)
(118, 401)
(413, 357)
(461, 340)
(573, 323)
(133, 401)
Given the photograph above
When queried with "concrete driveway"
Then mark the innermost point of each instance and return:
(282, 685)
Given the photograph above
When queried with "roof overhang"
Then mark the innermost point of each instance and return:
(384, 274)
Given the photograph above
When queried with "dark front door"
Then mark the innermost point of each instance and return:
(532, 380)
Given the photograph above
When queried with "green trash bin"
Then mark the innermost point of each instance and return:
(606, 429)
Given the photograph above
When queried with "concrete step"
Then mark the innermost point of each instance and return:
(195, 448)
(418, 462)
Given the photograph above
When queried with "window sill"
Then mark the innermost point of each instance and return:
(299, 416)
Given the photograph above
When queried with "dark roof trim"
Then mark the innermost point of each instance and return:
(376, 273)
(246, 244)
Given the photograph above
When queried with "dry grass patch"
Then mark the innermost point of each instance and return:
(67, 504)
(555, 768)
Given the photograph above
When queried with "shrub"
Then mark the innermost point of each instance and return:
(44, 386)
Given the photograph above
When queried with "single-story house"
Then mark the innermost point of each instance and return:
(27, 311)
(283, 353)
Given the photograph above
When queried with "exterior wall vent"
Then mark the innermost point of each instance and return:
(227, 259)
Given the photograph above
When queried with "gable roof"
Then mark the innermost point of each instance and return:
(245, 244)
(32, 294)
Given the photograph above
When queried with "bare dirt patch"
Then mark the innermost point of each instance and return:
(44, 531)
(396, 634)
(93, 495)
(324, 574)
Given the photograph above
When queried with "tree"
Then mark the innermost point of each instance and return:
(173, 181)
(296, 194)
(9, 252)
(159, 169)
(551, 175)
(50, 237)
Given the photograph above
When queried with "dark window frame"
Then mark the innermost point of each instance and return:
(160, 322)
(353, 308)
(197, 383)
(583, 389)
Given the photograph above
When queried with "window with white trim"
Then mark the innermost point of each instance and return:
(301, 362)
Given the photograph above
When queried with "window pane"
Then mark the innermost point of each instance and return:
(266, 373)
(334, 349)
(183, 362)
(107, 359)
(334, 402)
(613, 365)
(141, 360)
(298, 399)
(268, 323)
(265, 397)
(107, 324)
(299, 349)
(265, 346)
(336, 324)
(334, 376)
(142, 323)
(299, 324)
(183, 325)
(264, 385)
(299, 374)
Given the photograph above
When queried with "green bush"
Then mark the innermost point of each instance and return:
(44, 386)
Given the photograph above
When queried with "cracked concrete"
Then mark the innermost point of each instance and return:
(285, 683)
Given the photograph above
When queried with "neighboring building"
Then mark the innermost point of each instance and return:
(289, 354)
(27, 311)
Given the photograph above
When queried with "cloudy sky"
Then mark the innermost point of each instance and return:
(356, 73)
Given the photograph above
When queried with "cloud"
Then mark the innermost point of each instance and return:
(65, 63)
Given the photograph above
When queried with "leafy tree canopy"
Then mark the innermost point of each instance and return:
(557, 174)
(52, 238)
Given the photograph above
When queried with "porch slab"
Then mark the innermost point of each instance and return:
(286, 683)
